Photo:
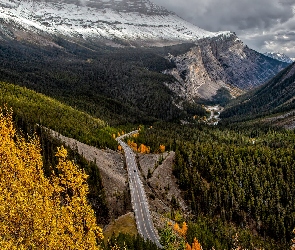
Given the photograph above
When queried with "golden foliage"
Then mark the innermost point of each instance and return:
(114, 136)
(132, 144)
(162, 148)
(119, 147)
(293, 241)
(143, 149)
(196, 245)
(187, 246)
(181, 231)
(37, 212)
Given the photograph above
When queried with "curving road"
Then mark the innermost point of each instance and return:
(140, 206)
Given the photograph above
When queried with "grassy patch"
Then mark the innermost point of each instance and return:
(124, 224)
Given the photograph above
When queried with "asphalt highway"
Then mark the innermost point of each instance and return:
(139, 201)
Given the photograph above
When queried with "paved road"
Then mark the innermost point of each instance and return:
(140, 206)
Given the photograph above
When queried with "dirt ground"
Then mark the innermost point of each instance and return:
(112, 170)
(160, 187)
(162, 184)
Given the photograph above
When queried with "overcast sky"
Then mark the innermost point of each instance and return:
(264, 25)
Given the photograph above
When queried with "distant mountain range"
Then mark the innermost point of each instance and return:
(279, 56)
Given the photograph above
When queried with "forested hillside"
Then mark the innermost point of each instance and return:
(31, 108)
(243, 176)
(275, 96)
(118, 85)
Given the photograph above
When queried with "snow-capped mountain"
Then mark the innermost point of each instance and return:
(279, 56)
(216, 61)
(128, 20)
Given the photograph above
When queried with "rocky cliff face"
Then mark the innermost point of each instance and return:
(220, 63)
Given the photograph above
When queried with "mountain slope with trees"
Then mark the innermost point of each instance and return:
(242, 176)
(31, 108)
(119, 85)
(274, 97)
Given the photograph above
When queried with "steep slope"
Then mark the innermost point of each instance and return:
(31, 108)
(279, 56)
(119, 85)
(274, 97)
(131, 21)
(220, 67)
(66, 49)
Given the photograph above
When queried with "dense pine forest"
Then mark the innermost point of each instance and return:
(243, 176)
(119, 85)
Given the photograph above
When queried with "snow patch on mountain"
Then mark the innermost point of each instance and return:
(279, 56)
(109, 19)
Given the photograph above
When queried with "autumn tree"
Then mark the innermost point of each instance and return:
(181, 231)
(196, 245)
(162, 148)
(38, 212)
(143, 149)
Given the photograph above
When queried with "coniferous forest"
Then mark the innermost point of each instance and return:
(237, 179)
(245, 177)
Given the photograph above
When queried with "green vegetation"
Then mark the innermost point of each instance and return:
(243, 176)
(31, 108)
(119, 85)
(273, 97)
(213, 232)
(128, 242)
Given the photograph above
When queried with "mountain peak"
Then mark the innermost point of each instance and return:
(131, 21)
(279, 56)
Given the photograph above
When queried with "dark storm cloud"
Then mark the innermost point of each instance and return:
(262, 24)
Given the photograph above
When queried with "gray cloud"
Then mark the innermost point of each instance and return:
(263, 25)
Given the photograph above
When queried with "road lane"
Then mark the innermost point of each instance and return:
(138, 197)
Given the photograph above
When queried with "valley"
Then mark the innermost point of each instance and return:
(169, 135)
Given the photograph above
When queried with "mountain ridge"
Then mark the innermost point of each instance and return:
(220, 67)
(274, 98)
(279, 56)
(139, 22)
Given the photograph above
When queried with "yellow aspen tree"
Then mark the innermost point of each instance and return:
(119, 147)
(183, 230)
(293, 241)
(196, 245)
(162, 148)
(176, 228)
(37, 212)
(187, 246)
(143, 149)
(114, 136)
(133, 145)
